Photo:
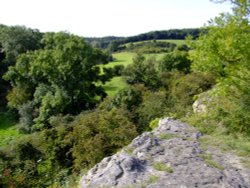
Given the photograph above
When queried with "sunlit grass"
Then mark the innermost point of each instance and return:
(176, 41)
(123, 58)
(8, 131)
(126, 58)
(115, 85)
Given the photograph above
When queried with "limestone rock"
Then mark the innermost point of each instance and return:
(200, 106)
(170, 156)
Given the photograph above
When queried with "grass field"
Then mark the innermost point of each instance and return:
(122, 58)
(114, 85)
(178, 42)
(8, 131)
(126, 58)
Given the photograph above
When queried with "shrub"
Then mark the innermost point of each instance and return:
(130, 97)
(99, 134)
(154, 106)
(117, 70)
(154, 123)
(26, 117)
(142, 71)
(186, 87)
(177, 60)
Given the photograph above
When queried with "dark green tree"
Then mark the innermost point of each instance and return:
(18, 39)
(177, 60)
(4, 85)
(102, 134)
(14, 40)
(224, 51)
(61, 78)
(142, 71)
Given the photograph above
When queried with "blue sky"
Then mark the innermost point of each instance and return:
(97, 18)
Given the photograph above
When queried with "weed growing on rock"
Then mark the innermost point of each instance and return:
(153, 179)
(160, 166)
(209, 160)
(168, 136)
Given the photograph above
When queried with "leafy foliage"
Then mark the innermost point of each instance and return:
(114, 43)
(102, 133)
(224, 52)
(57, 79)
(142, 72)
(177, 60)
(14, 40)
(49, 157)
(186, 87)
(154, 105)
(130, 98)
(151, 47)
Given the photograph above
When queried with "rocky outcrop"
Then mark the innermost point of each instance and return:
(200, 106)
(169, 156)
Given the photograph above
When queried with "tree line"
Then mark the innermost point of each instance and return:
(181, 34)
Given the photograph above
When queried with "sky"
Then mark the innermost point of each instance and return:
(98, 18)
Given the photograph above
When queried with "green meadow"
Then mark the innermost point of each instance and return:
(114, 85)
(8, 131)
(123, 58)
(176, 41)
(126, 58)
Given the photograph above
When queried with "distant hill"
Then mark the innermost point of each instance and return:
(102, 42)
(180, 34)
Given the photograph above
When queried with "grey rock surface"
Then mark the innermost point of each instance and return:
(169, 156)
(203, 103)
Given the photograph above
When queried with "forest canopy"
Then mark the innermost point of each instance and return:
(60, 78)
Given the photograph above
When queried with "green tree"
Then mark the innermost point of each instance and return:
(240, 7)
(225, 47)
(18, 39)
(57, 79)
(224, 51)
(4, 86)
(130, 98)
(142, 71)
(102, 133)
(154, 105)
(184, 89)
(177, 60)
(14, 40)
(113, 46)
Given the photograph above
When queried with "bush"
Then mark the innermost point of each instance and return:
(26, 117)
(154, 106)
(177, 60)
(142, 71)
(186, 87)
(117, 70)
(130, 98)
(154, 123)
(99, 134)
